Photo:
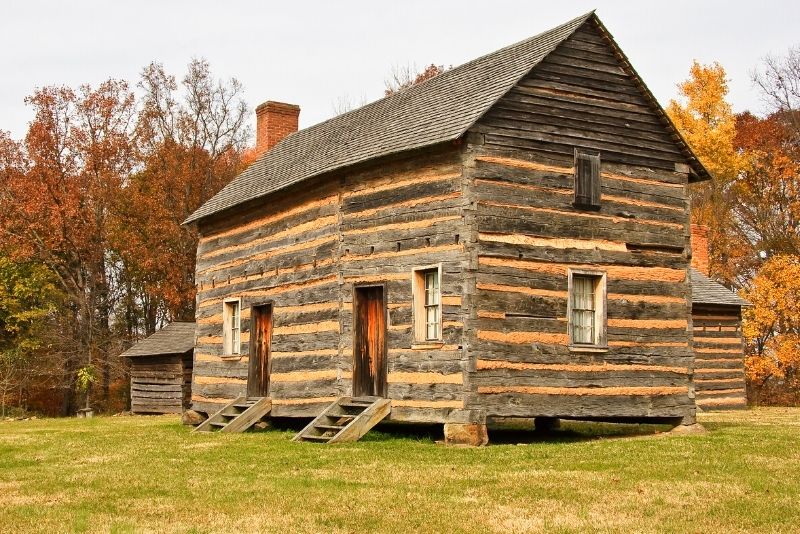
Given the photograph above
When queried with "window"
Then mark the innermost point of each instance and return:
(587, 308)
(427, 304)
(587, 180)
(231, 320)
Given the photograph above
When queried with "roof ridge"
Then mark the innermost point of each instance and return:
(417, 87)
(432, 112)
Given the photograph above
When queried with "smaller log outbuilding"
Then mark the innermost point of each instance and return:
(717, 334)
(718, 347)
(161, 370)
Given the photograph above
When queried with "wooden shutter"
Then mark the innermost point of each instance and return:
(587, 180)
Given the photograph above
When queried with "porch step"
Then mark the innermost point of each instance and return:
(238, 415)
(331, 427)
(356, 414)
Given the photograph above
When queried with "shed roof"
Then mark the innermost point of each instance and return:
(707, 291)
(175, 338)
(438, 110)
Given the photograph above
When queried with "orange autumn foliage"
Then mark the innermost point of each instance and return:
(772, 328)
(97, 193)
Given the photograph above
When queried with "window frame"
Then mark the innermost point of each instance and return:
(232, 333)
(419, 314)
(585, 159)
(600, 338)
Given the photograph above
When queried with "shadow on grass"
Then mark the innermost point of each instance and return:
(500, 433)
(570, 432)
(518, 432)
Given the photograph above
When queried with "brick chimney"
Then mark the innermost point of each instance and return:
(700, 248)
(274, 121)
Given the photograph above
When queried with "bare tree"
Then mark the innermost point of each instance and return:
(401, 77)
(346, 103)
(779, 80)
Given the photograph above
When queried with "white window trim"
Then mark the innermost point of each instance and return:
(600, 305)
(229, 346)
(418, 316)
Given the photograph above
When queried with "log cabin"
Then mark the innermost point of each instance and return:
(509, 238)
(161, 370)
(717, 335)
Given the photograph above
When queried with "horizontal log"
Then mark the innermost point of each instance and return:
(304, 229)
(136, 386)
(398, 377)
(148, 396)
(273, 291)
(578, 368)
(427, 404)
(553, 242)
(497, 217)
(148, 408)
(639, 258)
(304, 376)
(429, 203)
(711, 393)
(313, 387)
(581, 406)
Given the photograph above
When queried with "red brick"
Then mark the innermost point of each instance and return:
(274, 121)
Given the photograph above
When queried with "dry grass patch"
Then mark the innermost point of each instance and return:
(150, 474)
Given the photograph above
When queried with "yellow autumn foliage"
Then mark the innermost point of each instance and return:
(706, 120)
(772, 324)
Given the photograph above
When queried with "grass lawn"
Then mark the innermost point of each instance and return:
(135, 474)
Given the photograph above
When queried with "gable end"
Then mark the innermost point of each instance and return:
(585, 94)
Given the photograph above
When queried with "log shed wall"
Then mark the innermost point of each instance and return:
(719, 357)
(158, 385)
(304, 250)
(161, 370)
(519, 160)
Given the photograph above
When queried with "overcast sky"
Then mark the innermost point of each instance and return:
(312, 53)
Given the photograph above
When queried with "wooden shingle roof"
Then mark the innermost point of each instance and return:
(707, 291)
(435, 111)
(175, 338)
(438, 110)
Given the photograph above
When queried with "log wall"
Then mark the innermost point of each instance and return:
(159, 383)
(719, 357)
(583, 94)
(496, 213)
(305, 251)
(520, 161)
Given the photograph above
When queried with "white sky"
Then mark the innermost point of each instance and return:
(311, 53)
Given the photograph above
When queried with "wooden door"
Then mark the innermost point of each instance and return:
(369, 343)
(260, 339)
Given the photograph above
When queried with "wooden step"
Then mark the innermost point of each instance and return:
(364, 400)
(237, 416)
(353, 405)
(330, 427)
(371, 411)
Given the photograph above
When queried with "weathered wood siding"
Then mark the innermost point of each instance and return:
(582, 95)
(158, 384)
(719, 358)
(304, 251)
(520, 161)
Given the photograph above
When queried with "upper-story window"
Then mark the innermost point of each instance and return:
(231, 326)
(427, 304)
(587, 180)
